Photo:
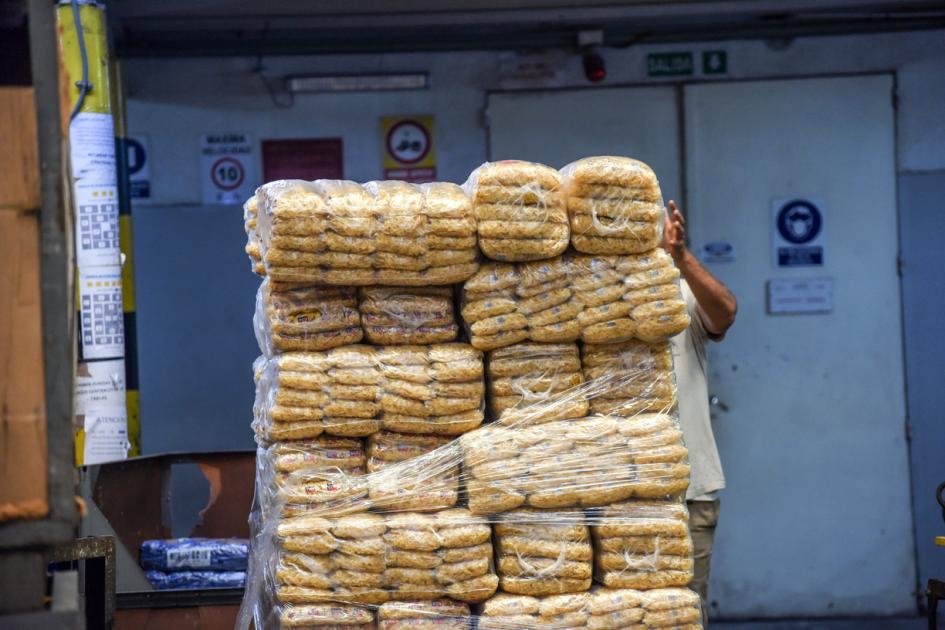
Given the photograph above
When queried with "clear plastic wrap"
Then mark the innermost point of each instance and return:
(537, 520)
(597, 299)
(525, 373)
(408, 315)
(643, 544)
(252, 248)
(390, 233)
(305, 318)
(520, 210)
(614, 205)
(601, 608)
(356, 390)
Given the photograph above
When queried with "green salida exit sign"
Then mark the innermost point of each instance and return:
(669, 64)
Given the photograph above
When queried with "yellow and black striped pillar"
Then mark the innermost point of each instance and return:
(126, 241)
(102, 428)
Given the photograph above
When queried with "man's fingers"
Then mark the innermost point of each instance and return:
(678, 216)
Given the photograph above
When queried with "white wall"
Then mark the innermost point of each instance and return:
(176, 100)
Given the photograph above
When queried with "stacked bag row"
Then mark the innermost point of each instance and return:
(601, 608)
(578, 462)
(354, 391)
(597, 299)
(373, 558)
(338, 232)
(314, 318)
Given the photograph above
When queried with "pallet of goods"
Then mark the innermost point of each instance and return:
(465, 404)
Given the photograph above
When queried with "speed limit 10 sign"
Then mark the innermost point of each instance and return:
(226, 163)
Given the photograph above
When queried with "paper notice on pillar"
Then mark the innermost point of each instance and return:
(96, 234)
(92, 149)
(227, 168)
(100, 309)
(100, 384)
(106, 435)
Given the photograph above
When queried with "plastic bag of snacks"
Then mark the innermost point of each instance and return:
(525, 373)
(342, 233)
(305, 318)
(407, 315)
(597, 299)
(614, 205)
(520, 210)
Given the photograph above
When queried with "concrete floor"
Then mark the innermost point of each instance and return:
(912, 623)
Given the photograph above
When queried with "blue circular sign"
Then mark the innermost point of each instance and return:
(799, 221)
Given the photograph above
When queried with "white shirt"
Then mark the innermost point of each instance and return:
(689, 358)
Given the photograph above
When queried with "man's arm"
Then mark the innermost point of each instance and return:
(716, 304)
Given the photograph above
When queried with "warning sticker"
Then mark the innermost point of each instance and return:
(99, 384)
(106, 436)
(408, 148)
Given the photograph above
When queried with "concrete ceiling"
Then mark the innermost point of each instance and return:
(240, 27)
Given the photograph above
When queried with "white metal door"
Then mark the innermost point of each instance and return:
(816, 518)
(557, 127)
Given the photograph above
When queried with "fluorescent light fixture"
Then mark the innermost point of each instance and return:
(358, 82)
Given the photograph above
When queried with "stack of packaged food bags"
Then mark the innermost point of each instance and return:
(461, 420)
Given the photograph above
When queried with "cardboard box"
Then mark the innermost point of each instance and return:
(19, 160)
(23, 456)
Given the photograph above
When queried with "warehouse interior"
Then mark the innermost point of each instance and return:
(828, 420)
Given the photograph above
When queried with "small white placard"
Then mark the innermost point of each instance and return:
(791, 296)
(718, 252)
(92, 149)
(797, 232)
(106, 436)
(99, 384)
(226, 162)
(188, 558)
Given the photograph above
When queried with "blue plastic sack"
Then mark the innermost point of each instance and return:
(196, 579)
(195, 554)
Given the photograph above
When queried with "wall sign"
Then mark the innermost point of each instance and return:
(308, 159)
(795, 296)
(797, 232)
(714, 62)
(669, 64)
(408, 147)
(718, 252)
(226, 163)
(139, 167)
